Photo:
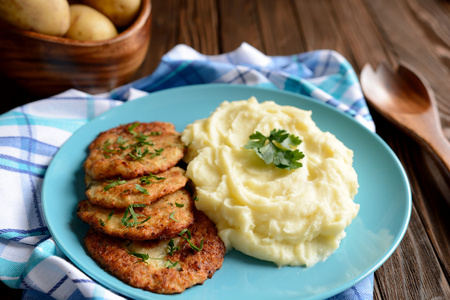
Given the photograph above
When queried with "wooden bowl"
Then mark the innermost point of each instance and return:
(46, 65)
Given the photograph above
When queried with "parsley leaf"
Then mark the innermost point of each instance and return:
(137, 153)
(173, 218)
(188, 239)
(143, 256)
(126, 220)
(171, 264)
(146, 179)
(113, 184)
(131, 129)
(171, 247)
(157, 152)
(277, 148)
(141, 189)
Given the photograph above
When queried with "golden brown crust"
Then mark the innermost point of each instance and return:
(123, 195)
(193, 267)
(129, 151)
(168, 216)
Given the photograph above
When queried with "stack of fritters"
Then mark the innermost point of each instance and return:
(145, 229)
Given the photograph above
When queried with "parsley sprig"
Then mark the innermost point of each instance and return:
(141, 189)
(146, 179)
(171, 248)
(126, 219)
(113, 183)
(188, 239)
(143, 256)
(277, 148)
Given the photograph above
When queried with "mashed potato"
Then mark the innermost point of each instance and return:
(293, 217)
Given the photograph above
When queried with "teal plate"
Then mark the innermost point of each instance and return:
(384, 198)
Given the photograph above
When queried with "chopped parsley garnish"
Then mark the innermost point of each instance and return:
(110, 215)
(120, 140)
(277, 148)
(106, 148)
(106, 144)
(179, 204)
(195, 198)
(113, 184)
(155, 133)
(101, 222)
(157, 152)
(131, 129)
(140, 140)
(126, 219)
(125, 191)
(188, 239)
(146, 179)
(137, 153)
(141, 189)
(143, 256)
(171, 247)
(173, 218)
(121, 143)
(171, 264)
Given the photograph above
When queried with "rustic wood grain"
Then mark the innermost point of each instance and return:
(317, 20)
(248, 30)
(363, 37)
(280, 30)
(414, 264)
(198, 19)
(164, 34)
(364, 31)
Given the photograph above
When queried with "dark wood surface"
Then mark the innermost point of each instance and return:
(416, 32)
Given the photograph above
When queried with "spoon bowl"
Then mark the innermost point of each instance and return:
(406, 99)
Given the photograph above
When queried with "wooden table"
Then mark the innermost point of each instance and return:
(416, 32)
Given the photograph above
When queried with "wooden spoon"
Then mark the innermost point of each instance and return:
(408, 101)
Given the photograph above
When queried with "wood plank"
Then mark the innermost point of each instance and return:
(238, 23)
(409, 273)
(362, 35)
(199, 25)
(434, 18)
(432, 199)
(193, 23)
(163, 35)
(280, 30)
(319, 25)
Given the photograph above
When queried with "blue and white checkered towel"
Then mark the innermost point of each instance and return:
(31, 134)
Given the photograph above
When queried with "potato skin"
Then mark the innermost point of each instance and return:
(88, 24)
(44, 16)
(121, 12)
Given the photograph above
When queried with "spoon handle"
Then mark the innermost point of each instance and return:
(440, 146)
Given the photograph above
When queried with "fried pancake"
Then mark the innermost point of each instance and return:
(133, 150)
(168, 216)
(161, 272)
(122, 193)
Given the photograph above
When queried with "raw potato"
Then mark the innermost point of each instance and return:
(88, 24)
(44, 16)
(121, 12)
